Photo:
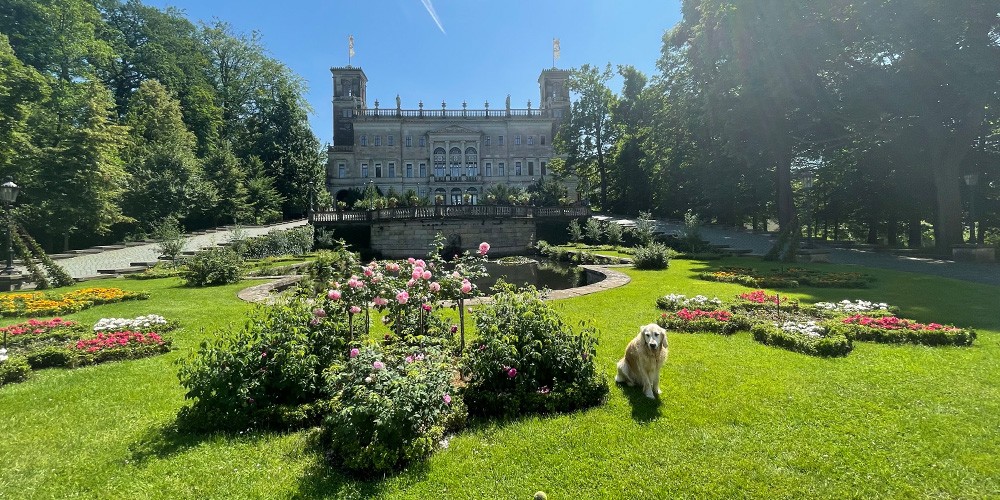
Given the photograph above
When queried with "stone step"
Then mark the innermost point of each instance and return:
(135, 243)
(142, 264)
(92, 278)
(110, 247)
(58, 256)
(739, 251)
(86, 251)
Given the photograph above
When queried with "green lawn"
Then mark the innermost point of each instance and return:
(736, 418)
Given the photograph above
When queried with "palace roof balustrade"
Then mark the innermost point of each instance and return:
(446, 211)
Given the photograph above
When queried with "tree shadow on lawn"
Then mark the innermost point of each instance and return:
(171, 439)
(644, 410)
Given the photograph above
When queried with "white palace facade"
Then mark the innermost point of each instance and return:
(454, 154)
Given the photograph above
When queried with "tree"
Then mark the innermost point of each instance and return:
(222, 170)
(590, 134)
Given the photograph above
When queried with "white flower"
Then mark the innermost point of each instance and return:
(3, 355)
(858, 306)
(807, 328)
(114, 324)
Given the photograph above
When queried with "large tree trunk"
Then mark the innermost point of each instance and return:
(948, 218)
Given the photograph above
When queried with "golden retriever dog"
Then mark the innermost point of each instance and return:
(643, 359)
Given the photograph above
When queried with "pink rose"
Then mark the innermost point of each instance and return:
(426, 275)
(409, 284)
(466, 286)
(420, 263)
(447, 399)
(380, 301)
(319, 312)
(402, 297)
(417, 272)
(333, 295)
(426, 307)
(355, 309)
(378, 365)
(355, 352)
(409, 359)
(483, 248)
(435, 287)
(411, 260)
(512, 372)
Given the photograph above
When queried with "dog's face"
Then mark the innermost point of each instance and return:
(653, 336)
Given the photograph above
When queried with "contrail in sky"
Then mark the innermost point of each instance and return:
(434, 15)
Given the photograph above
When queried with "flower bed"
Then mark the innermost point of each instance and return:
(697, 320)
(807, 337)
(847, 307)
(676, 302)
(140, 323)
(747, 277)
(116, 346)
(760, 299)
(50, 304)
(893, 330)
(35, 333)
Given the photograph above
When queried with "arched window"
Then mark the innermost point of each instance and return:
(455, 162)
(473, 195)
(439, 161)
(440, 196)
(456, 196)
(471, 162)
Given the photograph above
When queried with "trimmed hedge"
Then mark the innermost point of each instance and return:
(833, 344)
(911, 333)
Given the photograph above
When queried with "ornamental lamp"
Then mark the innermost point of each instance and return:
(9, 192)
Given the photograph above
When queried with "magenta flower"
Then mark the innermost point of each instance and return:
(333, 295)
(466, 286)
(402, 297)
(483, 248)
(319, 312)
(435, 287)
(355, 352)
(378, 365)
(511, 373)
(355, 283)
(426, 307)
(355, 309)
(454, 328)
(447, 399)
(368, 272)
(263, 354)
(409, 359)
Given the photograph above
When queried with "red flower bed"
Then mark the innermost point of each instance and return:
(697, 314)
(696, 320)
(35, 326)
(761, 297)
(894, 323)
(118, 340)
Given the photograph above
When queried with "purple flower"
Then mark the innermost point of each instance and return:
(454, 328)
(447, 399)
(511, 373)
(426, 307)
(355, 352)
(409, 359)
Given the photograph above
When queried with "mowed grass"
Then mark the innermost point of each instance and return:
(736, 418)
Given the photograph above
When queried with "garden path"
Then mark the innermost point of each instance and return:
(86, 265)
(760, 243)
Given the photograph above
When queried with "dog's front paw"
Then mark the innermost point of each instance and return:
(658, 391)
(649, 394)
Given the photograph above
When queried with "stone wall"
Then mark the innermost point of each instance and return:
(401, 239)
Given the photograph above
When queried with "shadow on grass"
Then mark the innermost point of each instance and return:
(644, 410)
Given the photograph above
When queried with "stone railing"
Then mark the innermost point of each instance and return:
(446, 211)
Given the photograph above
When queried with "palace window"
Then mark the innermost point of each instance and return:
(423, 170)
(489, 169)
(378, 140)
(378, 170)
(499, 140)
(409, 141)
(341, 170)
(543, 140)
(423, 142)
(517, 168)
(531, 140)
(364, 140)
(392, 139)
(543, 168)
(517, 140)
(488, 139)
(456, 196)
(500, 169)
(409, 170)
(392, 170)
(364, 170)
(531, 168)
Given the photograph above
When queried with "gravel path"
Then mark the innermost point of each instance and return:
(759, 244)
(86, 265)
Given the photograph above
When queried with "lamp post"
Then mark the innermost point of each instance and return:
(309, 212)
(971, 180)
(8, 195)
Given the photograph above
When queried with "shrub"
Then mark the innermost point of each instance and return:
(644, 227)
(697, 320)
(329, 265)
(251, 376)
(527, 360)
(593, 230)
(893, 330)
(613, 233)
(14, 369)
(387, 411)
(806, 337)
(575, 231)
(169, 236)
(652, 256)
(297, 241)
(218, 266)
(49, 357)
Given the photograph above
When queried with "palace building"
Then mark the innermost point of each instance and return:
(451, 156)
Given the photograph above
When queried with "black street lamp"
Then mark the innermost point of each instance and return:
(312, 205)
(8, 195)
(971, 180)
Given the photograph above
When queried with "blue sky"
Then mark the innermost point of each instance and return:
(487, 49)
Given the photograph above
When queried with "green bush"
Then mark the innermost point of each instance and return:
(652, 256)
(831, 343)
(297, 241)
(593, 230)
(14, 369)
(329, 266)
(218, 266)
(527, 360)
(575, 231)
(50, 356)
(169, 236)
(251, 376)
(613, 233)
(388, 410)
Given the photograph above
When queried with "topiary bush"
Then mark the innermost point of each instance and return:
(387, 411)
(218, 266)
(297, 241)
(14, 369)
(527, 360)
(651, 257)
(254, 376)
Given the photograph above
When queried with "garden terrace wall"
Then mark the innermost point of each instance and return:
(406, 238)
